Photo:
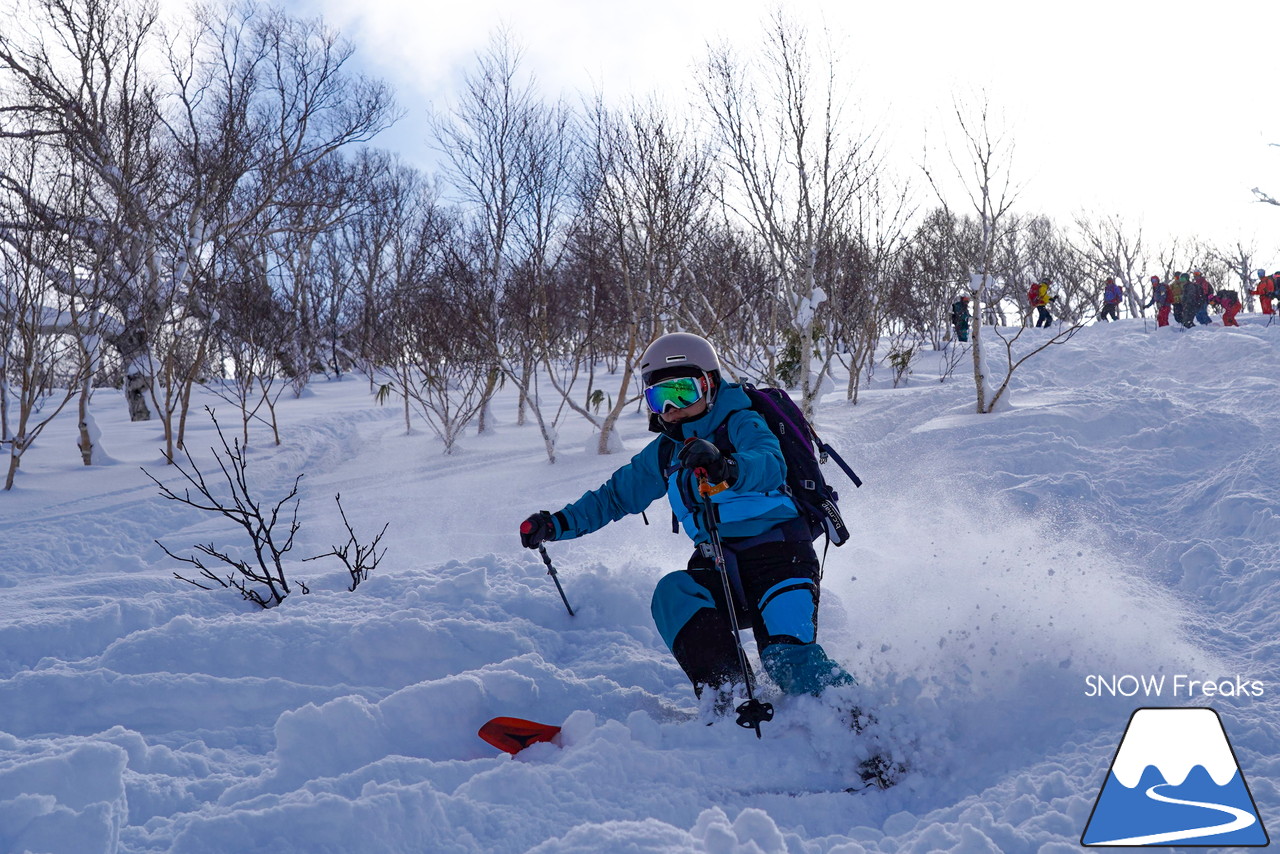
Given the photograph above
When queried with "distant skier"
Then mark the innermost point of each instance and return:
(1161, 299)
(1229, 302)
(960, 318)
(1203, 291)
(766, 540)
(1265, 290)
(1184, 300)
(1039, 297)
(1111, 297)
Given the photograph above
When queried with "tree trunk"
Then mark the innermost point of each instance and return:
(483, 427)
(979, 368)
(135, 394)
(85, 444)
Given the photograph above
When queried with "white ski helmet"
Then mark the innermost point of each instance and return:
(678, 354)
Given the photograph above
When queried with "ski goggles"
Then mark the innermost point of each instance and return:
(675, 393)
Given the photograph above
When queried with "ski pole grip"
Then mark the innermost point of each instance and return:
(705, 487)
(526, 527)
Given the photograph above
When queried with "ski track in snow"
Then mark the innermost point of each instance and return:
(1120, 516)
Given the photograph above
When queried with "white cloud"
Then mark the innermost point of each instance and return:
(1155, 109)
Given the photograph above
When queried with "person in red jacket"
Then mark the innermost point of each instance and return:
(1265, 290)
(1162, 299)
(1229, 302)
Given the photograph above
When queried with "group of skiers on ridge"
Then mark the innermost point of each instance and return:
(1187, 296)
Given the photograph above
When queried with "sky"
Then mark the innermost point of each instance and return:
(1159, 112)
(1013, 582)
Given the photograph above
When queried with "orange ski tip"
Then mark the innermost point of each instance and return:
(515, 734)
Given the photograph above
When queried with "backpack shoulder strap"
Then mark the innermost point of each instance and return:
(666, 450)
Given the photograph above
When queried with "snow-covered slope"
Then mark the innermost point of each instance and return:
(1120, 518)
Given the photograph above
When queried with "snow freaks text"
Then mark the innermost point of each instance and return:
(1177, 685)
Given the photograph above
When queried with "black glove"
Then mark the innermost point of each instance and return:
(700, 454)
(537, 529)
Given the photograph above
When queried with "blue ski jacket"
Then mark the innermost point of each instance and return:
(755, 503)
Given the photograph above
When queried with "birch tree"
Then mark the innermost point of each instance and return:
(1110, 248)
(647, 186)
(980, 160)
(795, 165)
(184, 137)
(480, 140)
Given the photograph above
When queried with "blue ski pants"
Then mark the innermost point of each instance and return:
(775, 588)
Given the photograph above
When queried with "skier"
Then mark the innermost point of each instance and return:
(1111, 297)
(768, 547)
(1175, 297)
(1265, 290)
(1203, 292)
(1039, 297)
(960, 318)
(1184, 300)
(1161, 299)
(1229, 302)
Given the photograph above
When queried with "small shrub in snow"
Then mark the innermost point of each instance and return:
(239, 505)
(268, 544)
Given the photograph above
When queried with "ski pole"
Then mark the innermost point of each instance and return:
(551, 571)
(752, 713)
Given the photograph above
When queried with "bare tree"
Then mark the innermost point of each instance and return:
(983, 169)
(253, 331)
(860, 270)
(796, 166)
(1109, 248)
(732, 299)
(984, 173)
(1239, 261)
(1262, 195)
(300, 257)
(935, 270)
(50, 342)
(367, 248)
(239, 504)
(366, 557)
(481, 140)
(173, 161)
(438, 359)
(37, 355)
(647, 189)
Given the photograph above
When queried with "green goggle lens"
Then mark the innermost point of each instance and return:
(674, 393)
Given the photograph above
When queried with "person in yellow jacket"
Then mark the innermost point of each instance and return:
(1039, 297)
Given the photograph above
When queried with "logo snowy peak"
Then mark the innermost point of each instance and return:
(1175, 781)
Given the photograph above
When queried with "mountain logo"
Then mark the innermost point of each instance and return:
(1175, 781)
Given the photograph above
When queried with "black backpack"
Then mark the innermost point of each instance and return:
(803, 452)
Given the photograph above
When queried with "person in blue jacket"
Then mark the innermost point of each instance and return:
(769, 551)
(1111, 297)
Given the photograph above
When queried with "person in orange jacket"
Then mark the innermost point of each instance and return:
(1265, 290)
